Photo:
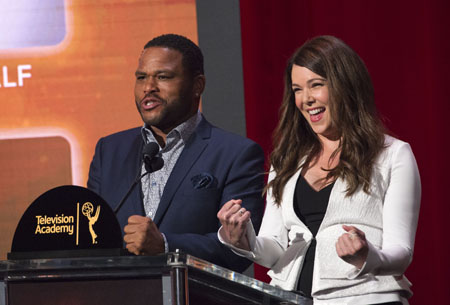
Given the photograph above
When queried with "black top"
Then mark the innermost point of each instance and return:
(310, 206)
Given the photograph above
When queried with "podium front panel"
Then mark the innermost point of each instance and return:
(83, 292)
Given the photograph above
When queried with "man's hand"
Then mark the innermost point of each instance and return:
(142, 236)
(352, 246)
(234, 218)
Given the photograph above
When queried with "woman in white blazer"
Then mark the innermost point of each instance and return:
(342, 196)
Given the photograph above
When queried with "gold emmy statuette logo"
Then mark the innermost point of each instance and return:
(87, 209)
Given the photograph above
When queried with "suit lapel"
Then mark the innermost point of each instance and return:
(133, 161)
(191, 152)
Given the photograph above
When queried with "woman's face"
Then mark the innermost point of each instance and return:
(312, 99)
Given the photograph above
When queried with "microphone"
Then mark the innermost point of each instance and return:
(152, 162)
(149, 153)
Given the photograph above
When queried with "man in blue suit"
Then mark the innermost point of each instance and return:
(204, 166)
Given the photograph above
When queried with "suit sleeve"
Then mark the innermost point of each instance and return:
(244, 181)
(94, 180)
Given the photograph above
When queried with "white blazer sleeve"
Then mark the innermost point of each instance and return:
(272, 240)
(400, 217)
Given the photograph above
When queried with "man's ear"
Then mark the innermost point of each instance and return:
(199, 85)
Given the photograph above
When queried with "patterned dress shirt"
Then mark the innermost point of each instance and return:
(154, 183)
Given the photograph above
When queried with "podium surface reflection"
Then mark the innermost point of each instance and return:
(169, 279)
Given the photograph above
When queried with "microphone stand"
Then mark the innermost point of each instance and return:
(138, 178)
(152, 162)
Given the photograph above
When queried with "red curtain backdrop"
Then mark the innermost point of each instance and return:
(406, 47)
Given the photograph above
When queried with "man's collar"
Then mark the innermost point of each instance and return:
(185, 129)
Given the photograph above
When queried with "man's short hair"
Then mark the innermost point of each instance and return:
(192, 55)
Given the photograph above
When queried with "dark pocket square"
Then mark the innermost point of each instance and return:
(203, 181)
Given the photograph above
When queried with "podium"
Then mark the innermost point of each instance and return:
(170, 279)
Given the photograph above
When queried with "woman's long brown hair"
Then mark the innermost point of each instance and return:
(353, 115)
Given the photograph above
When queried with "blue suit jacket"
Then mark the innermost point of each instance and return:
(214, 167)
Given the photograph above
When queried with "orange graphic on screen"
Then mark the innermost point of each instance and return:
(62, 92)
